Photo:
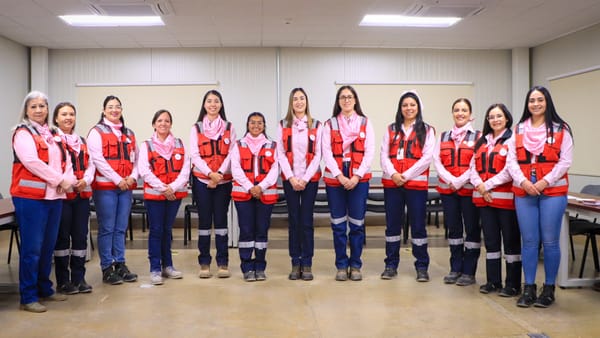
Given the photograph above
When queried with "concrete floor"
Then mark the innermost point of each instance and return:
(278, 307)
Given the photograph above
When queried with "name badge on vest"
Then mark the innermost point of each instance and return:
(400, 154)
(177, 157)
(226, 140)
(132, 156)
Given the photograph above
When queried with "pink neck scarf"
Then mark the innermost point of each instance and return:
(115, 127)
(491, 140)
(44, 131)
(349, 128)
(458, 134)
(534, 138)
(300, 124)
(213, 129)
(72, 140)
(255, 143)
(164, 148)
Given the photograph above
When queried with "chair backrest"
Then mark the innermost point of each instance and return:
(1, 196)
(591, 189)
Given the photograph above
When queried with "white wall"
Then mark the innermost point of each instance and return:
(565, 55)
(14, 84)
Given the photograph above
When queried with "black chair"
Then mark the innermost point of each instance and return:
(188, 210)
(589, 229)
(138, 207)
(13, 226)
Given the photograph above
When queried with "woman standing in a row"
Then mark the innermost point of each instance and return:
(452, 159)
(406, 153)
(165, 168)
(41, 174)
(539, 159)
(299, 156)
(495, 199)
(348, 148)
(71, 245)
(113, 150)
(211, 139)
(255, 170)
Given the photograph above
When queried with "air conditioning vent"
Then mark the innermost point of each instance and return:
(131, 7)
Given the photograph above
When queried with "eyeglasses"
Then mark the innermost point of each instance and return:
(346, 98)
(256, 123)
(495, 117)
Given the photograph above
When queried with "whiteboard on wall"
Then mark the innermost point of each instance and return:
(140, 103)
(574, 98)
(379, 102)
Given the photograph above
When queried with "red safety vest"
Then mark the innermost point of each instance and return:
(80, 164)
(404, 154)
(489, 165)
(456, 161)
(24, 183)
(166, 170)
(119, 153)
(266, 158)
(213, 152)
(542, 164)
(357, 151)
(286, 137)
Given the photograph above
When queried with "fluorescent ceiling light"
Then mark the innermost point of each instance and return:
(407, 21)
(111, 21)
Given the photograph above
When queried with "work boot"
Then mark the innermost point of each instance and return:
(123, 271)
(295, 274)
(546, 297)
(306, 273)
(528, 297)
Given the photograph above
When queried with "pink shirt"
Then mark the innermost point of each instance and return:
(441, 170)
(239, 175)
(300, 168)
(200, 164)
(94, 142)
(146, 173)
(561, 167)
(26, 151)
(419, 167)
(331, 164)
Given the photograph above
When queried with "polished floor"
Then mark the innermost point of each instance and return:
(278, 307)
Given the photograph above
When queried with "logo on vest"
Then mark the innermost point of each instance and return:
(178, 157)
(268, 153)
(362, 134)
(226, 140)
(312, 137)
(503, 152)
(550, 140)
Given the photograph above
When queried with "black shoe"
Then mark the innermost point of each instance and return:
(528, 297)
(307, 273)
(295, 274)
(452, 277)
(546, 297)
(389, 273)
(67, 289)
(260, 275)
(489, 288)
(249, 276)
(127, 276)
(84, 287)
(422, 276)
(509, 292)
(109, 276)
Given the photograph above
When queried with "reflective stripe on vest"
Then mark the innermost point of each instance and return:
(488, 165)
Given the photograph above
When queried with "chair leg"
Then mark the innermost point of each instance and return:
(583, 258)
(130, 228)
(186, 221)
(595, 251)
(572, 248)
(12, 234)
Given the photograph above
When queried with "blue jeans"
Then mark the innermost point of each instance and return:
(38, 224)
(254, 218)
(300, 207)
(112, 210)
(213, 205)
(71, 244)
(161, 216)
(395, 201)
(348, 208)
(460, 213)
(540, 217)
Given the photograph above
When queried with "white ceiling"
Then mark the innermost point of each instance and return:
(501, 24)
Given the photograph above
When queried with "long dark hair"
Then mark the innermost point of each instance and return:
(203, 111)
(106, 100)
(419, 127)
(550, 115)
(336, 106)
(264, 122)
(487, 128)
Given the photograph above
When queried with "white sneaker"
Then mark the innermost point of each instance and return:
(170, 272)
(156, 278)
